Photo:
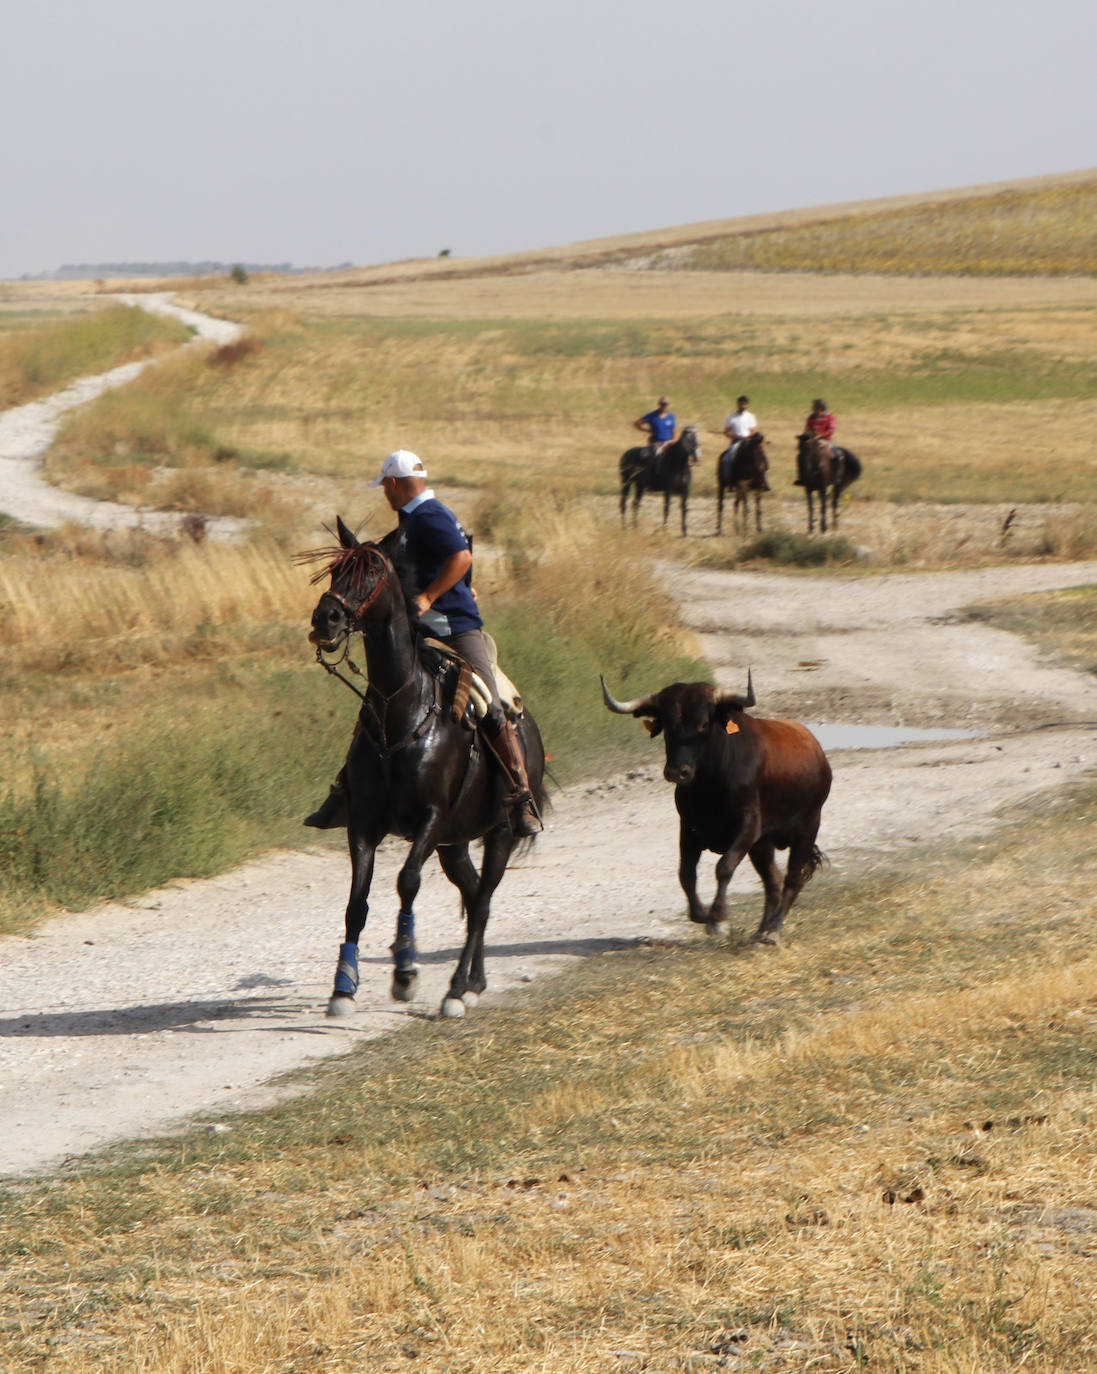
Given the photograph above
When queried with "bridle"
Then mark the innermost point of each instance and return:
(354, 616)
(372, 693)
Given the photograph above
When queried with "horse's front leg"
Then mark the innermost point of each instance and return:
(405, 969)
(469, 977)
(834, 506)
(720, 506)
(758, 511)
(811, 510)
(666, 507)
(362, 853)
(685, 503)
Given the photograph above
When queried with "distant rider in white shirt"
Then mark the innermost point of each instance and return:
(740, 425)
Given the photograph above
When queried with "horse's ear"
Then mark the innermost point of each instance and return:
(347, 538)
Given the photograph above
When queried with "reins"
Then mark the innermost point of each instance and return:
(372, 694)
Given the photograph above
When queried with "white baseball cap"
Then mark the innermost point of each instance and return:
(402, 463)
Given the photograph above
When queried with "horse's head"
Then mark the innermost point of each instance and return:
(359, 573)
(691, 442)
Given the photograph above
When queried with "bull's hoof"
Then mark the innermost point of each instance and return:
(341, 1006)
(453, 1008)
(768, 937)
(716, 930)
(404, 986)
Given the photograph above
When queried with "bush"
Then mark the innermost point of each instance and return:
(800, 550)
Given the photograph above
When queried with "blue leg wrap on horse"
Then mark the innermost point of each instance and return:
(403, 947)
(346, 971)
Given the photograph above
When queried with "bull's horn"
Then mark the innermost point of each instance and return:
(625, 708)
(734, 699)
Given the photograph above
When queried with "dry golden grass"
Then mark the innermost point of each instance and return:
(127, 614)
(874, 1148)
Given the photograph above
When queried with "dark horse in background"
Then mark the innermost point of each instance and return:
(412, 771)
(825, 471)
(743, 472)
(669, 471)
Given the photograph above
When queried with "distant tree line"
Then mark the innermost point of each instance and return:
(80, 271)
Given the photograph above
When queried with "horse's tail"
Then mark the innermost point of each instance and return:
(852, 468)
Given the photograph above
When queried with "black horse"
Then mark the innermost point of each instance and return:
(744, 472)
(669, 471)
(413, 771)
(824, 470)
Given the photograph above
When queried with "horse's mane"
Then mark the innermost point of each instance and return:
(356, 564)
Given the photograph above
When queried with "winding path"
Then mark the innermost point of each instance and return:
(26, 433)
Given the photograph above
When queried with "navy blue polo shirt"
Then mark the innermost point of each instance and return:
(430, 533)
(662, 426)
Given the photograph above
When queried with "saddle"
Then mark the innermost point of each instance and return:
(471, 694)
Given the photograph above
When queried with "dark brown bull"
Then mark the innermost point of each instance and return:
(742, 786)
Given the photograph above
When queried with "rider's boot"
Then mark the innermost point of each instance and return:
(331, 814)
(524, 817)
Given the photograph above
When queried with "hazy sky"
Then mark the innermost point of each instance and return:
(327, 131)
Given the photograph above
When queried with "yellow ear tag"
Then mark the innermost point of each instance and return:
(731, 728)
(649, 726)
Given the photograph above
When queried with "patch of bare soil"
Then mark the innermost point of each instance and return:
(189, 1003)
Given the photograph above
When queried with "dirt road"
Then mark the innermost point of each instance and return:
(189, 1002)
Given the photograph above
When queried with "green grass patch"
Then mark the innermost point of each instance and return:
(49, 355)
(798, 550)
(183, 796)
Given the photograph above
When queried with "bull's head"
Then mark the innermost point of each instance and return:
(686, 713)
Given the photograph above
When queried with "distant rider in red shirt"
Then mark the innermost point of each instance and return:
(820, 424)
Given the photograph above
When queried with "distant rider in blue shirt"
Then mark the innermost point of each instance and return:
(660, 424)
(438, 549)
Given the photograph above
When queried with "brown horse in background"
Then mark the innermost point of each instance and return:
(744, 472)
(825, 468)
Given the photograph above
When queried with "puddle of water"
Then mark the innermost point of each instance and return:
(880, 736)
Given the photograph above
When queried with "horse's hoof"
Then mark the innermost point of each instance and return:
(453, 1008)
(471, 999)
(716, 930)
(768, 937)
(404, 986)
(341, 1006)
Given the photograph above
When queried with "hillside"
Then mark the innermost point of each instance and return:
(1036, 226)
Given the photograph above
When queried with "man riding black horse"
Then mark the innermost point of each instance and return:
(432, 540)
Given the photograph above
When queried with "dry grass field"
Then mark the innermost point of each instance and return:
(871, 1149)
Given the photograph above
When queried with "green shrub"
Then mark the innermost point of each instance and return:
(799, 550)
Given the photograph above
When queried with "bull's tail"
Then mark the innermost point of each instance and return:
(811, 865)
